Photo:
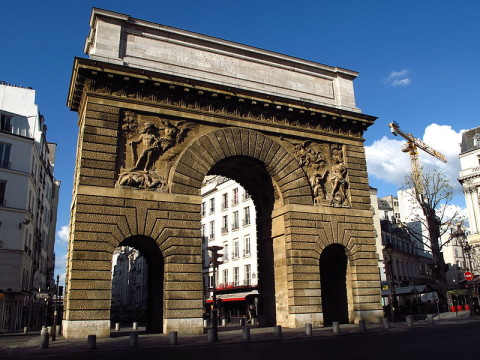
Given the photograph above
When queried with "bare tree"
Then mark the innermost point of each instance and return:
(432, 194)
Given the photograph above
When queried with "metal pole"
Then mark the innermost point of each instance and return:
(54, 327)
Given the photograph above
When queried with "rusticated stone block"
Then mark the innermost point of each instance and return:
(101, 123)
(99, 147)
(98, 156)
(103, 108)
(100, 131)
(89, 274)
(84, 314)
(102, 116)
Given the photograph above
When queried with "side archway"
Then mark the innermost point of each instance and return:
(150, 250)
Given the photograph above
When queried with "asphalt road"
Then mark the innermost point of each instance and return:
(456, 341)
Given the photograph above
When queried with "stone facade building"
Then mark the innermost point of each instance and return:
(28, 210)
(159, 109)
(470, 180)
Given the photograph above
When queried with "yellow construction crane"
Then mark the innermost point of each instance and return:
(411, 148)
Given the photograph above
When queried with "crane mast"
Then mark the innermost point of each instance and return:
(410, 147)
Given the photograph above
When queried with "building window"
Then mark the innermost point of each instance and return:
(246, 195)
(211, 281)
(204, 208)
(212, 230)
(235, 197)
(235, 276)
(247, 275)
(225, 224)
(212, 205)
(246, 217)
(225, 252)
(247, 249)
(5, 155)
(235, 220)
(3, 186)
(225, 201)
(236, 249)
(6, 123)
(225, 276)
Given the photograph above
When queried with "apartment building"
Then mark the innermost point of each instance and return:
(28, 211)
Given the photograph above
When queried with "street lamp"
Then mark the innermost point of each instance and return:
(392, 295)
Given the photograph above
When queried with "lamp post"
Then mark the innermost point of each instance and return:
(392, 294)
(459, 234)
(54, 327)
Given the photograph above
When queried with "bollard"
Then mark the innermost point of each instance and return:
(58, 330)
(135, 325)
(134, 340)
(49, 329)
(224, 322)
(336, 327)
(92, 342)
(362, 326)
(278, 331)
(25, 330)
(308, 329)
(242, 321)
(173, 338)
(212, 335)
(246, 334)
(53, 332)
(44, 338)
(117, 326)
(386, 323)
(205, 323)
(409, 321)
(430, 319)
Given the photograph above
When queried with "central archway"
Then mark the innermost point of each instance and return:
(252, 176)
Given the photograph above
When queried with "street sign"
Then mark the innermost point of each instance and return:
(468, 275)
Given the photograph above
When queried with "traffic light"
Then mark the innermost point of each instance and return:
(215, 255)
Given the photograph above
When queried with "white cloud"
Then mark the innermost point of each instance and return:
(386, 161)
(398, 78)
(60, 267)
(62, 234)
(401, 82)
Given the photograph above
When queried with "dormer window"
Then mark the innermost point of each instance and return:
(476, 140)
(5, 123)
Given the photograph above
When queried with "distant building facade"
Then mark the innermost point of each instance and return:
(229, 221)
(28, 211)
(129, 285)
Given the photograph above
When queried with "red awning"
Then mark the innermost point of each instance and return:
(234, 297)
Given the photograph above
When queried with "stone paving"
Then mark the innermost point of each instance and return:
(16, 345)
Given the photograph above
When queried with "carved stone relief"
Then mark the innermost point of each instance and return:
(325, 167)
(224, 107)
(150, 145)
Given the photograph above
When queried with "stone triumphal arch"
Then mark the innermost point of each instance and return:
(159, 109)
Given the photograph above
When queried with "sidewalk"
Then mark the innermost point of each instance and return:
(17, 345)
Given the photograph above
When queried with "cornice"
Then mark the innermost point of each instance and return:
(121, 82)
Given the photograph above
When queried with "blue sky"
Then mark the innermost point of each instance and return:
(418, 63)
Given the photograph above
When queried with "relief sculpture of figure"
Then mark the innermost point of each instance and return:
(153, 142)
(149, 138)
(339, 184)
(318, 186)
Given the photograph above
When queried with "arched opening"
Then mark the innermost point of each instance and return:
(254, 180)
(333, 278)
(138, 296)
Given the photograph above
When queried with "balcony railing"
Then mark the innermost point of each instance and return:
(224, 230)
